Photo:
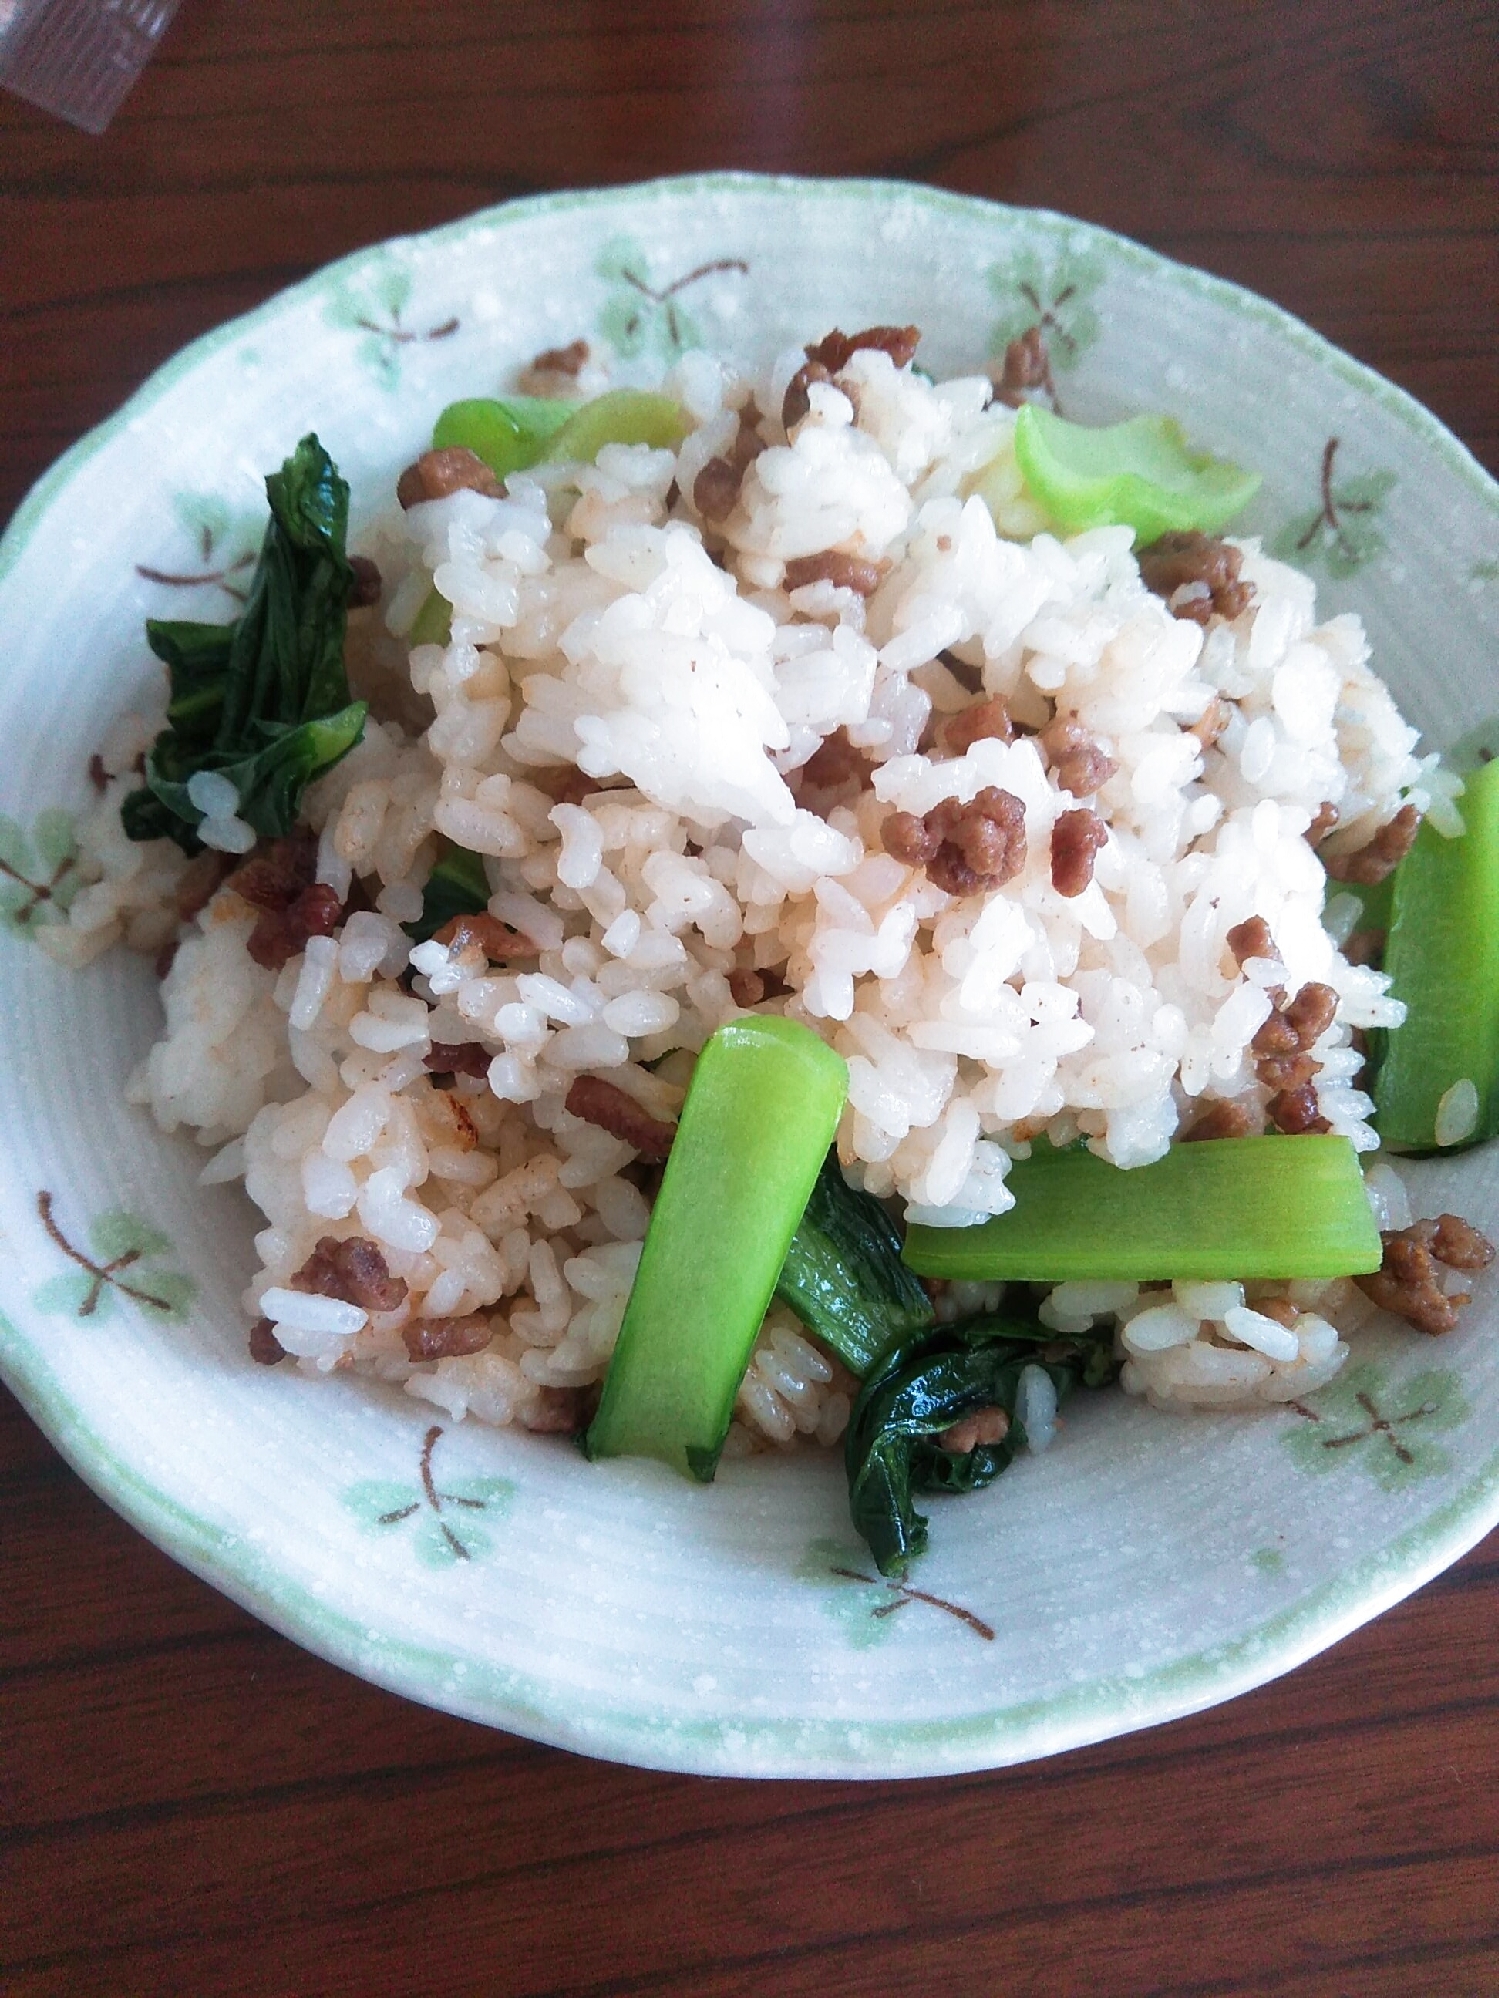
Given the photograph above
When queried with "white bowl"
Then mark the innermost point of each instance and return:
(1145, 1567)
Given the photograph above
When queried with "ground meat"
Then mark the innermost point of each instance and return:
(200, 880)
(1280, 1309)
(1075, 839)
(354, 1270)
(1406, 1281)
(607, 1105)
(275, 874)
(1295, 1111)
(458, 1058)
(1224, 1120)
(835, 763)
(561, 1411)
(447, 1338)
(1458, 1244)
(279, 936)
(1197, 574)
(965, 849)
(438, 473)
(278, 881)
(364, 582)
(716, 487)
(554, 368)
(1026, 365)
(1251, 938)
(844, 572)
(985, 1425)
(1311, 1013)
(1368, 865)
(984, 721)
(499, 943)
(829, 355)
(1296, 1025)
(1323, 820)
(1078, 763)
(835, 350)
(1285, 1071)
(1365, 947)
(797, 402)
(266, 1350)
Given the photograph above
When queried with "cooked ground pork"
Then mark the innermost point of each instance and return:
(1223, 1120)
(1076, 838)
(1081, 766)
(984, 721)
(447, 1338)
(354, 1270)
(1407, 1282)
(1026, 366)
(438, 473)
(1197, 574)
(1367, 866)
(844, 572)
(965, 849)
(612, 1109)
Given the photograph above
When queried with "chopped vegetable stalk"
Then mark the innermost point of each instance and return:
(457, 886)
(507, 435)
(434, 621)
(922, 1389)
(843, 1276)
(1438, 1082)
(623, 416)
(1141, 474)
(1227, 1207)
(764, 1103)
(264, 701)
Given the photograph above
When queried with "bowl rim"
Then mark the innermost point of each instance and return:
(782, 1746)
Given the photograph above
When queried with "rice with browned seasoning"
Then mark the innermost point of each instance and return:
(624, 724)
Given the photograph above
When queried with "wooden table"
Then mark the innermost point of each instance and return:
(193, 1805)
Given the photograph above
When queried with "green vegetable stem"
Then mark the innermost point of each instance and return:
(1141, 474)
(508, 435)
(263, 701)
(923, 1388)
(521, 430)
(843, 1276)
(1438, 1082)
(623, 416)
(1224, 1207)
(764, 1103)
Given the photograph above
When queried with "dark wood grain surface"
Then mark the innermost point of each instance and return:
(190, 1804)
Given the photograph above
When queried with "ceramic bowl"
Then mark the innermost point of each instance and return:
(1147, 1565)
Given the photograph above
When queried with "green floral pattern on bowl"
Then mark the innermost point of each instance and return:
(1144, 1567)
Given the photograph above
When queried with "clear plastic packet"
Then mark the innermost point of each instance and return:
(78, 58)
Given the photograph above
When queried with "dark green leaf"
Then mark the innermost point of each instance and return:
(457, 886)
(272, 776)
(263, 701)
(843, 1276)
(144, 816)
(921, 1389)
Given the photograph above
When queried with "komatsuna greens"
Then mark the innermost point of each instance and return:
(263, 701)
(892, 1447)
